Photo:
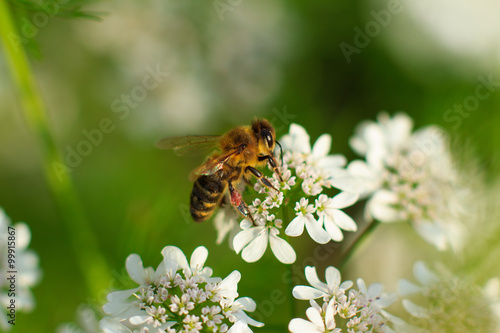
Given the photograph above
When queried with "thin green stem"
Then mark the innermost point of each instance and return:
(92, 264)
(289, 268)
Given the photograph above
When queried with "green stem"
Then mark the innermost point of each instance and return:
(359, 239)
(93, 266)
(289, 267)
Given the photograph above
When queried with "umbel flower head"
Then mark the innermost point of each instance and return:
(25, 264)
(447, 303)
(410, 177)
(306, 173)
(178, 297)
(343, 308)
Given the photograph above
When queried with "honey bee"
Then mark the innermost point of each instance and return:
(240, 152)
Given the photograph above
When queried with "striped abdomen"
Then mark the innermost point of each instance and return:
(206, 193)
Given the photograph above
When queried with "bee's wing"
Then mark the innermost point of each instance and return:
(189, 145)
(213, 165)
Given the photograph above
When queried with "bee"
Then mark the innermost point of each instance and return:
(239, 153)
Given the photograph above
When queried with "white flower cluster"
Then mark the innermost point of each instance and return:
(343, 309)
(306, 172)
(26, 264)
(448, 303)
(178, 297)
(410, 177)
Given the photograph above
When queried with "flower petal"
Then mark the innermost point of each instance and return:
(399, 129)
(296, 226)
(174, 259)
(244, 237)
(248, 303)
(386, 299)
(434, 233)
(315, 317)
(198, 259)
(313, 279)
(229, 286)
(332, 276)
(242, 316)
(135, 268)
(23, 235)
(322, 146)
(330, 314)
(139, 320)
(381, 206)
(112, 325)
(117, 301)
(424, 275)
(297, 140)
(374, 290)
(332, 162)
(314, 229)
(283, 251)
(332, 229)
(406, 287)
(255, 250)
(344, 199)
(344, 221)
(307, 293)
(371, 178)
(348, 183)
(415, 310)
(299, 325)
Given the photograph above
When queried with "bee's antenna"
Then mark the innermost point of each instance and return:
(281, 152)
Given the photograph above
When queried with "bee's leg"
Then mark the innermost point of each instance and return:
(272, 163)
(261, 178)
(238, 203)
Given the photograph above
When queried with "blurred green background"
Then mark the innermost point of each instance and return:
(227, 62)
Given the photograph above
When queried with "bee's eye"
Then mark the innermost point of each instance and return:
(269, 139)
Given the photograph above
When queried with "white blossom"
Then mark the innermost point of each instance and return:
(359, 310)
(179, 296)
(320, 321)
(24, 262)
(252, 240)
(446, 302)
(305, 172)
(305, 218)
(410, 177)
(318, 288)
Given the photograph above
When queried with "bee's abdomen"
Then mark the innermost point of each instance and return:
(206, 193)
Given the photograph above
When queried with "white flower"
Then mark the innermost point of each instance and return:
(252, 241)
(319, 321)
(305, 218)
(359, 310)
(315, 165)
(239, 307)
(320, 289)
(26, 266)
(446, 302)
(178, 295)
(332, 217)
(410, 177)
(305, 173)
(427, 279)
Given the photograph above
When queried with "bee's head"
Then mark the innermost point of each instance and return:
(266, 136)
(266, 141)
